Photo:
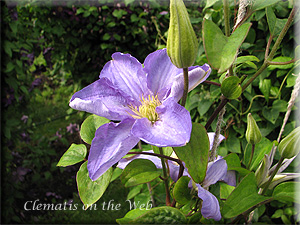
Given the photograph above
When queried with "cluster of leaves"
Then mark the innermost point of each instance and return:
(242, 54)
(46, 47)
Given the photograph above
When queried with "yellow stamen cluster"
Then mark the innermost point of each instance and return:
(147, 109)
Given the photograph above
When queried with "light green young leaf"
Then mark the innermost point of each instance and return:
(214, 41)
(76, 153)
(91, 191)
(139, 171)
(89, 127)
(229, 51)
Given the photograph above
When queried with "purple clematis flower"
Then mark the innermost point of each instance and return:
(216, 171)
(144, 98)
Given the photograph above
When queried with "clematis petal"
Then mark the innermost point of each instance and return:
(217, 171)
(126, 73)
(172, 129)
(112, 141)
(211, 136)
(101, 99)
(174, 170)
(161, 72)
(197, 74)
(156, 160)
(210, 205)
(230, 178)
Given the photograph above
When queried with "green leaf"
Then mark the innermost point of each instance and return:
(117, 172)
(262, 148)
(204, 105)
(287, 192)
(261, 4)
(246, 58)
(159, 215)
(233, 163)
(139, 171)
(265, 87)
(280, 105)
(275, 25)
(166, 150)
(282, 67)
(195, 153)
(89, 127)
(91, 191)
(232, 46)
(134, 191)
(232, 143)
(131, 215)
(242, 198)
(76, 153)
(181, 191)
(231, 87)
(225, 190)
(213, 40)
(210, 3)
(270, 114)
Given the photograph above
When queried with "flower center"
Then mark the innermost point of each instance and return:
(147, 109)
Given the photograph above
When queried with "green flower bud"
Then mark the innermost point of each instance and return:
(253, 134)
(262, 171)
(182, 44)
(290, 145)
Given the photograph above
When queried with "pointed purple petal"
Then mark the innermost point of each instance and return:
(156, 160)
(101, 99)
(112, 141)
(126, 73)
(172, 129)
(197, 75)
(161, 72)
(211, 136)
(217, 171)
(210, 205)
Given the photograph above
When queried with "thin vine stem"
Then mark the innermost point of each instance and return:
(186, 86)
(165, 176)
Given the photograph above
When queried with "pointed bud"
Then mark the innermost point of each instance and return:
(262, 171)
(182, 44)
(290, 145)
(253, 134)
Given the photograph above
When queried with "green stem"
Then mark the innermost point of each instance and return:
(251, 156)
(282, 34)
(226, 17)
(272, 176)
(274, 49)
(186, 86)
(165, 176)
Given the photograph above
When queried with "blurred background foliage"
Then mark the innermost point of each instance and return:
(52, 49)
